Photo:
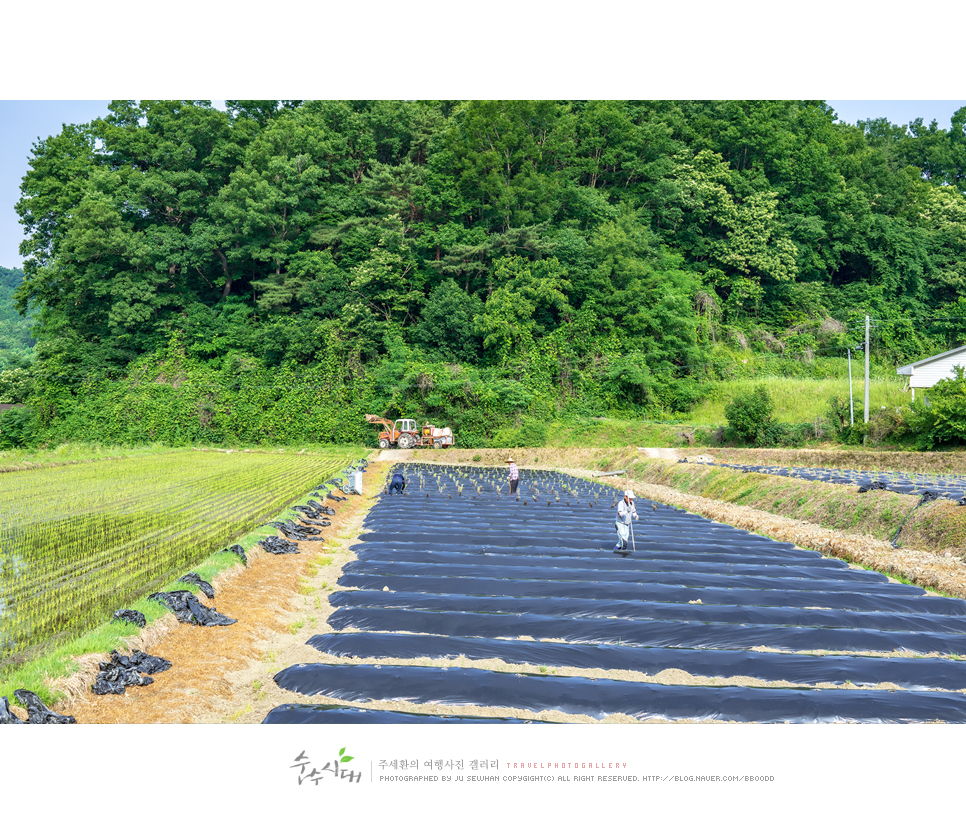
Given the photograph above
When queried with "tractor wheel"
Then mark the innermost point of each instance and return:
(405, 442)
(383, 444)
(437, 444)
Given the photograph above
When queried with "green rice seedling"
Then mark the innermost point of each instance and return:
(79, 542)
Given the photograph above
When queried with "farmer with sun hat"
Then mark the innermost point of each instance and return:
(625, 512)
(514, 476)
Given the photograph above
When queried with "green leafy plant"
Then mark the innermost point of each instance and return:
(939, 417)
(16, 428)
(751, 418)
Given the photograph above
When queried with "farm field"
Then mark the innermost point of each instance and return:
(938, 486)
(533, 582)
(78, 542)
(399, 595)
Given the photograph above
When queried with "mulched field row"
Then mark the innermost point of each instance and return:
(456, 567)
(917, 484)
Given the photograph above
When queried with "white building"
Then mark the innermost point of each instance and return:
(926, 373)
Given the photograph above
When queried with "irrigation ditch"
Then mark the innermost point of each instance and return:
(457, 603)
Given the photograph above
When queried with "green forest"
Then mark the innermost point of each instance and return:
(16, 341)
(270, 273)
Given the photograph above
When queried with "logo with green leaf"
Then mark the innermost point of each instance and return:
(343, 758)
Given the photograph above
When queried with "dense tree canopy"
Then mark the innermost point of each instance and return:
(16, 341)
(487, 260)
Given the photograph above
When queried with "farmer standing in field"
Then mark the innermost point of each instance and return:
(513, 477)
(625, 512)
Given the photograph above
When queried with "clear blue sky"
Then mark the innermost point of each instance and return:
(24, 122)
(898, 112)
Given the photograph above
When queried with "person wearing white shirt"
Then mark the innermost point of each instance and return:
(625, 512)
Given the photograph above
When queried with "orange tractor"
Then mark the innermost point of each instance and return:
(406, 433)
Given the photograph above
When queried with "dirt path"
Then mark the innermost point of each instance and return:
(664, 453)
(394, 455)
(225, 674)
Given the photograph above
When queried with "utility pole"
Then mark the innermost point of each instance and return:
(867, 368)
(851, 406)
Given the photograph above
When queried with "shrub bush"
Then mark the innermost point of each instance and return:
(531, 433)
(751, 418)
(16, 428)
(940, 417)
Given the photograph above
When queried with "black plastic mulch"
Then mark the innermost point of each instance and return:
(465, 570)
(187, 608)
(277, 545)
(191, 578)
(943, 486)
(293, 713)
(808, 669)
(6, 716)
(131, 616)
(37, 711)
(600, 698)
(122, 671)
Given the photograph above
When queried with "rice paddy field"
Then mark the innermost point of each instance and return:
(79, 542)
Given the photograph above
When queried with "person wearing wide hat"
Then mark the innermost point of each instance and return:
(513, 476)
(625, 512)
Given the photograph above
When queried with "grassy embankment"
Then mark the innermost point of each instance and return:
(795, 401)
(36, 668)
(800, 400)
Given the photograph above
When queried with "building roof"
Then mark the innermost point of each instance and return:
(909, 368)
